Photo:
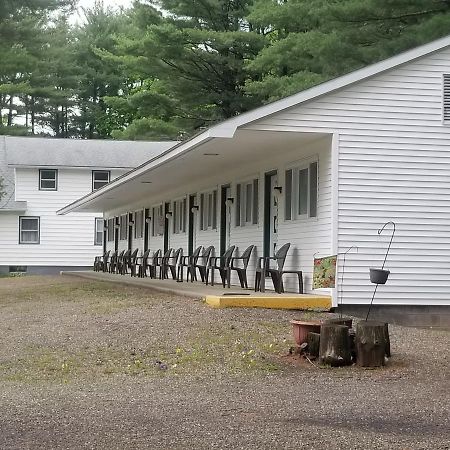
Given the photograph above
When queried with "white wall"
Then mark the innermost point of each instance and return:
(64, 240)
(394, 164)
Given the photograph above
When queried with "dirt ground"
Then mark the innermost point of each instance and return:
(91, 365)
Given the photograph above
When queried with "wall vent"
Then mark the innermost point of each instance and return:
(446, 109)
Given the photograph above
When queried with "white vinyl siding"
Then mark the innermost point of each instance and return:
(29, 230)
(393, 163)
(48, 179)
(98, 232)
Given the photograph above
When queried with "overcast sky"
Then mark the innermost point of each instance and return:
(90, 4)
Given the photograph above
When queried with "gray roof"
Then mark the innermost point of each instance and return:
(50, 152)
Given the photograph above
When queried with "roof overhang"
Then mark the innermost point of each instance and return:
(14, 207)
(204, 160)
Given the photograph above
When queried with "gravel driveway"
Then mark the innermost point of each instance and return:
(98, 366)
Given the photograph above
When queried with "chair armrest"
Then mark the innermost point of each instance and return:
(213, 260)
(233, 259)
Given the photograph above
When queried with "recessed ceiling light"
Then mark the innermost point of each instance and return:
(210, 154)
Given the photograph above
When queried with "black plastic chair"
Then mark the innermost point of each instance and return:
(130, 261)
(118, 263)
(173, 264)
(162, 263)
(153, 264)
(189, 261)
(221, 263)
(139, 263)
(113, 262)
(263, 269)
(101, 262)
(203, 262)
(123, 262)
(241, 271)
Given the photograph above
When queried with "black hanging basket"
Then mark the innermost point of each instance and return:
(379, 276)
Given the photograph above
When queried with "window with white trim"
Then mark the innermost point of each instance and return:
(29, 230)
(301, 191)
(179, 216)
(158, 220)
(100, 178)
(139, 224)
(110, 233)
(247, 203)
(98, 239)
(48, 179)
(123, 227)
(208, 210)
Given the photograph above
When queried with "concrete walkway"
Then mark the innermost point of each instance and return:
(216, 296)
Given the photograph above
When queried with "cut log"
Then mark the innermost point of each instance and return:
(313, 341)
(347, 321)
(334, 347)
(370, 344)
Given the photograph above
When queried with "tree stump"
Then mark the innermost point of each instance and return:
(334, 345)
(370, 344)
(313, 341)
(347, 321)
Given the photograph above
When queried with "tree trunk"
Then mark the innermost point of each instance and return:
(10, 111)
(313, 341)
(334, 345)
(370, 344)
(33, 114)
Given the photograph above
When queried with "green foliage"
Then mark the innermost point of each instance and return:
(142, 74)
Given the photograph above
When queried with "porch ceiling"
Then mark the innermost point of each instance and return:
(211, 157)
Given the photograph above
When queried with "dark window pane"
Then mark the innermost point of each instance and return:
(48, 184)
(48, 174)
(30, 224)
(288, 195)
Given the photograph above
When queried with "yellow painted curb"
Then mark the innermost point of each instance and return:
(278, 302)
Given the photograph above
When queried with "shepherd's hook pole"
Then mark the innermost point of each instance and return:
(384, 262)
